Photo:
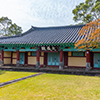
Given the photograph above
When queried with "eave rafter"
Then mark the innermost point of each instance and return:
(27, 46)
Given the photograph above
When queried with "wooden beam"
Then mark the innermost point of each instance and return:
(18, 55)
(2, 55)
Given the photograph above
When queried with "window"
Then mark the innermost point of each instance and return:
(78, 54)
(33, 53)
(6, 48)
(32, 48)
(22, 47)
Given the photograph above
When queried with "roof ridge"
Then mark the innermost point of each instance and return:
(57, 27)
(35, 28)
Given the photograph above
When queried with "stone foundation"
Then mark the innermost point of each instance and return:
(88, 66)
(61, 65)
(17, 63)
(2, 63)
(37, 64)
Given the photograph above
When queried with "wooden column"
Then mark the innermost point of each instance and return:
(38, 59)
(17, 63)
(87, 56)
(88, 63)
(38, 56)
(66, 59)
(61, 55)
(11, 57)
(2, 57)
(61, 60)
(26, 58)
(45, 59)
(18, 55)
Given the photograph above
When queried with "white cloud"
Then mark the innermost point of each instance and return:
(39, 12)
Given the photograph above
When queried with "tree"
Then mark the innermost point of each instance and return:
(14, 29)
(7, 28)
(87, 11)
(89, 36)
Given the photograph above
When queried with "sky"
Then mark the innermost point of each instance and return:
(39, 13)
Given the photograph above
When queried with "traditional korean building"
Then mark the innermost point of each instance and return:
(49, 47)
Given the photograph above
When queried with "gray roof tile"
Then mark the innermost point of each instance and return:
(35, 35)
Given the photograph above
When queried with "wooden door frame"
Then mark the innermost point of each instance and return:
(54, 62)
(24, 58)
(93, 60)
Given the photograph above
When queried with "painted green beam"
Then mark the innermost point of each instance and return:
(98, 49)
(27, 50)
(73, 49)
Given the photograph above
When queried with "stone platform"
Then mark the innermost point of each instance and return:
(74, 71)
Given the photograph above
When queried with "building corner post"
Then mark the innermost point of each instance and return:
(61, 60)
(17, 62)
(88, 63)
(38, 59)
(2, 57)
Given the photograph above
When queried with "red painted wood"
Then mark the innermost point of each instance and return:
(76, 67)
(52, 66)
(31, 65)
(7, 57)
(11, 56)
(26, 57)
(7, 65)
(91, 59)
(38, 56)
(87, 56)
(45, 58)
(61, 55)
(14, 58)
(77, 56)
(2, 55)
(18, 55)
(66, 58)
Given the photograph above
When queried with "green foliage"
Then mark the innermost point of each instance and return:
(87, 11)
(7, 28)
(14, 29)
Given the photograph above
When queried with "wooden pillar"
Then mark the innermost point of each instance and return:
(11, 57)
(61, 55)
(45, 59)
(38, 59)
(88, 63)
(2, 57)
(66, 59)
(91, 59)
(87, 56)
(17, 63)
(38, 56)
(26, 58)
(61, 60)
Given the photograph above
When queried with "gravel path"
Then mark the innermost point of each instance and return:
(19, 79)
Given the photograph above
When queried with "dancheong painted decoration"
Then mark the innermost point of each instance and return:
(49, 47)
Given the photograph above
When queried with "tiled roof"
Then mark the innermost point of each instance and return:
(36, 35)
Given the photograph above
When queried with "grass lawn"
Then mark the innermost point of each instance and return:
(53, 87)
(11, 75)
